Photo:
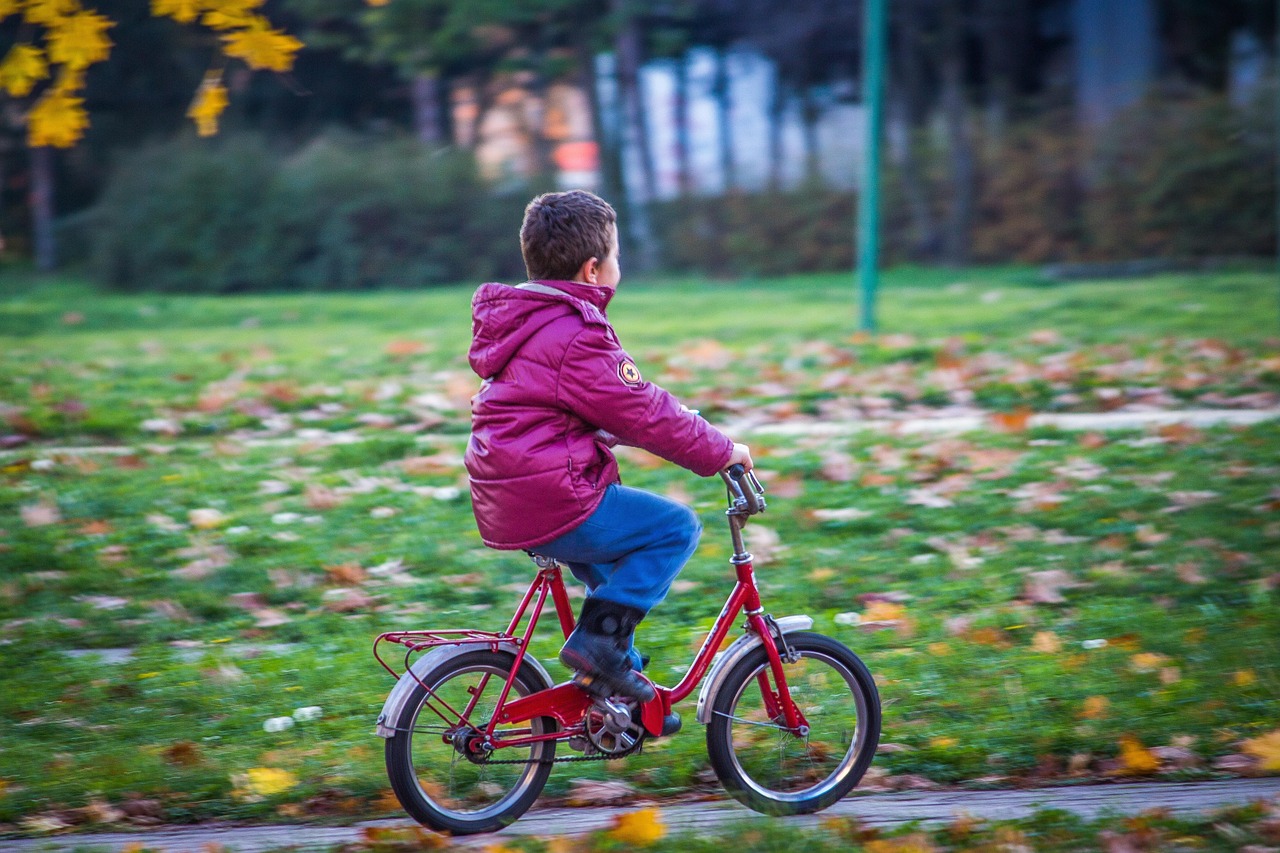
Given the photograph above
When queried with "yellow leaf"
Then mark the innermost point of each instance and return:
(262, 47)
(1136, 759)
(183, 11)
(1046, 642)
(639, 828)
(210, 101)
(1095, 708)
(939, 649)
(58, 119)
(1147, 661)
(79, 40)
(1266, 748)
(1244, 677)
(883, 611)
(267, 781)
(49, 12)
(22, 67)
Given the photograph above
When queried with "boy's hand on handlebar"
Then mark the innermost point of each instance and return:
(741, 455)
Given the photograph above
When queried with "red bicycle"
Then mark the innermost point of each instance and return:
(472, 725)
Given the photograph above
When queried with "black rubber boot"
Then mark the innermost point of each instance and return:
(597, 650)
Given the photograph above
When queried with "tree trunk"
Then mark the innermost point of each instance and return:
(608, 152)
(909, 49)
(724, 108)
(42, 176)
(998, 28)
(627, 58)
(428, 110)
(812, 156)
(627, 49)
(955, 117)
(684, 177)
(777, 119)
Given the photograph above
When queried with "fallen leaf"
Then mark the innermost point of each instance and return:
(346, 574)
(40, 514)
(1046, 642)
(1095, 707)
(206, 518)
(1147, 661)
(1265, 748)
(593, 792)
(1015, 421)
(639, 828)
(1046, 587)
(1136, 759)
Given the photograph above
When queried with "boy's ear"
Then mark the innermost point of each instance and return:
(589, 272)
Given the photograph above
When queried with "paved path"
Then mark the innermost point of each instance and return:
(798, 427)
(874, 809)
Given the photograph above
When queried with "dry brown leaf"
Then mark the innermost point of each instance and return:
(346, 574)
(594, 792)
(40, 514)
(1046, 587)
(320, 497)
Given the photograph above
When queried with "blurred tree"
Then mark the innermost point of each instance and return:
(53, 43)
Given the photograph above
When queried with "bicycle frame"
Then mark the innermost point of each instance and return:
(567, 703)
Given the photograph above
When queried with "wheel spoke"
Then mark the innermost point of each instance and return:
(788, 772)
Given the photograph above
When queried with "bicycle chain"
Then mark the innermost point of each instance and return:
(604, 756)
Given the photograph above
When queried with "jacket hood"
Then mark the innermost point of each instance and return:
(504, 318)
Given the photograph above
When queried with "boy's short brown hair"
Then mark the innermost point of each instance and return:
(562, 231)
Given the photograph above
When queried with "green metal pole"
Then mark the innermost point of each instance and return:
(874, 27)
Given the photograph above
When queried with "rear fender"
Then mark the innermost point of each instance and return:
(399, 696)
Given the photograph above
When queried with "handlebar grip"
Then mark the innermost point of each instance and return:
(737, 474)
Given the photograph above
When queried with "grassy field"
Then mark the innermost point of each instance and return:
(284, 482)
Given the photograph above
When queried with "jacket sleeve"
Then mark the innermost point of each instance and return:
(600, 384)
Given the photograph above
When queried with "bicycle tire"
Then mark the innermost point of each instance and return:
(793, 774)
(436, 784)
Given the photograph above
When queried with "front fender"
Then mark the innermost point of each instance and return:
(737, 650)
(399, 696)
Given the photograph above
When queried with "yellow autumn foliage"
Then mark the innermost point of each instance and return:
(57, 120)
(639, 828)
(182, 11)
(210, 101)
(77, 41)
(22, 67)
(1136, 759)
(75, 37)
(1266, 748)
(262, 47)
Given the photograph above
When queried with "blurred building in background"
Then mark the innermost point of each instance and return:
(731, 133)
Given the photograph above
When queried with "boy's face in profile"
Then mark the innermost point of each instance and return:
(608, 271)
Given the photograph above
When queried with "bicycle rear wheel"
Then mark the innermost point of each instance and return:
(438, 780)
(766, 767)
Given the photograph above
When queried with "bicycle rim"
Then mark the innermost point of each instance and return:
(461, 790)
(799, 773)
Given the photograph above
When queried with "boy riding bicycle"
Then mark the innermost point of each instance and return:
(558, 392)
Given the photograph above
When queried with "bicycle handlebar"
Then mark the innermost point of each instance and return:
(745, 491)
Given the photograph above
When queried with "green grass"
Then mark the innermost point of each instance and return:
(259, 408)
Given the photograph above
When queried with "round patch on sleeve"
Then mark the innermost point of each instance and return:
(628, 372)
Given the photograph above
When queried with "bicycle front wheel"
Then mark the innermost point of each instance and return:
(438, 778)
(770, 769)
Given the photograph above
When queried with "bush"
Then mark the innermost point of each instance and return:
(342, 214)
(1184, 178)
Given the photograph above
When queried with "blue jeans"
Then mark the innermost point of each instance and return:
(631, 548)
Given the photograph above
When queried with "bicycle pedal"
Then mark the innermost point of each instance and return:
(597, 687)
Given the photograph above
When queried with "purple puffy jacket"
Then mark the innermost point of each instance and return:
(554, 377)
